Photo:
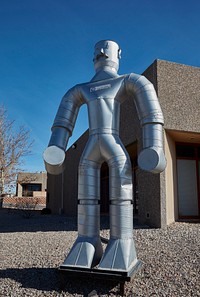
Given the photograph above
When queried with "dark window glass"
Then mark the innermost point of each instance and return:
(185, 151)
(27, 189)
(199, 152)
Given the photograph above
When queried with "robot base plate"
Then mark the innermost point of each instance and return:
(111, 275)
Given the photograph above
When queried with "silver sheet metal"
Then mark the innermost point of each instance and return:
(103, 96)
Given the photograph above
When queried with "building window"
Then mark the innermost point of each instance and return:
(28, 189)
(185, 151)
(198, 153)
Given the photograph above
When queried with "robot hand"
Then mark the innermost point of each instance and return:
(54, 159)
(152, 159)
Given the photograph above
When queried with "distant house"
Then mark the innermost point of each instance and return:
(31, 184)
(30, 188)
(158, 199)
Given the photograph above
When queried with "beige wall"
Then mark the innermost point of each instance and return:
(171, 182)
(179, 93)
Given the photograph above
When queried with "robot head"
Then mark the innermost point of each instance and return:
(107, 53)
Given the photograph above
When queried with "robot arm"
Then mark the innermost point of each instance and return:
(151, 119)
(62, 128)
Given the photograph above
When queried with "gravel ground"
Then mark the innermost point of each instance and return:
(32, 249)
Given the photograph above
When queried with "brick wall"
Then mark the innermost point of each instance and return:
(38, 201)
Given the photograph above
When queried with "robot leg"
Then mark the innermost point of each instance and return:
(87, 249)
(120, 253)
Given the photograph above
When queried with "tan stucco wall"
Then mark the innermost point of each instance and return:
(179, 93)
(54, 193)
(170, 173)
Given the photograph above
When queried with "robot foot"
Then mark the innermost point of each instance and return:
(86, 252)
(120, 255)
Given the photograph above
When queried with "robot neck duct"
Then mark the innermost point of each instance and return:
(105, 71)
(108, 64)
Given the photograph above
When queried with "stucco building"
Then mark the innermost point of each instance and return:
(31, 184)
(158, 199)
(31, 189)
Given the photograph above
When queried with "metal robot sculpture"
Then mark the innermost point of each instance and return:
(103, 96)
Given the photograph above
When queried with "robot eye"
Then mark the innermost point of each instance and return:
(102, 55)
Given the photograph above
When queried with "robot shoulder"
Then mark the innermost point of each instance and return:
(134, 82)
(74, 95)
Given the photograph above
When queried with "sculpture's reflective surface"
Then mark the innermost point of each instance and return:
(103, 96)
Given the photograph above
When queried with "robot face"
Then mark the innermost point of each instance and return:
(107, 51)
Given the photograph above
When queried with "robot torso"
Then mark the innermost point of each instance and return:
(103, 99)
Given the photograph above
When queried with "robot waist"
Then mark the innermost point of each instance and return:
(103, 131)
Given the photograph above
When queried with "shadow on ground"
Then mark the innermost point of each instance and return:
(49, 279)
(13, 220)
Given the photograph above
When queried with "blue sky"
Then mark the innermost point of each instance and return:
(46, 47)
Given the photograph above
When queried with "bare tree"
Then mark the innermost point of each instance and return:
(14, 145)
